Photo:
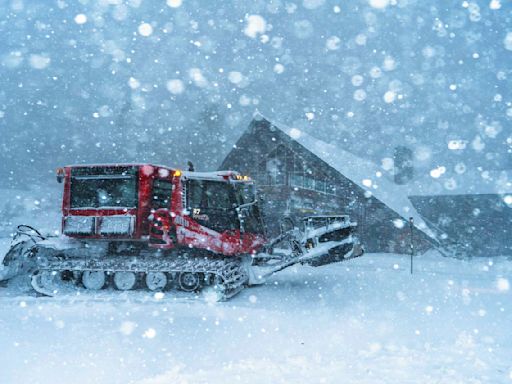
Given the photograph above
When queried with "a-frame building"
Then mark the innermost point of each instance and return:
(299, 175)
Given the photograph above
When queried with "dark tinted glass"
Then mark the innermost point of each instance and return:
(162, 190)
(246, 193)
(212, 204)
(95, 190)
(210, 194)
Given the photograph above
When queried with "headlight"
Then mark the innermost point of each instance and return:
(117, 225)
(78, 225)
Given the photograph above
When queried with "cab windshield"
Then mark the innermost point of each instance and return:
(210, 194)
(245, 193)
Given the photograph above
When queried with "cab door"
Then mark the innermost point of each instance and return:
(160, 233)
(249, 212)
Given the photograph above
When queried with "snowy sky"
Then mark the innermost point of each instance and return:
(166, 81)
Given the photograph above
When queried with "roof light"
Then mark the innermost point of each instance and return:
(240, 177)
(177, 173)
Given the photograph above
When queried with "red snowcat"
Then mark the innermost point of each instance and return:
(148, 226)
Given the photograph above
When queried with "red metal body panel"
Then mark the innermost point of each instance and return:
(146, 175)
(174, 226)
(190, 233)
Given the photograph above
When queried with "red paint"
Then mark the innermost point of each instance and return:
(178, 228)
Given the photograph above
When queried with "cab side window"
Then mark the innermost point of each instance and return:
(162, 190)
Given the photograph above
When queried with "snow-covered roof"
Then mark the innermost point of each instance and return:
(466, 182)
(362, 172)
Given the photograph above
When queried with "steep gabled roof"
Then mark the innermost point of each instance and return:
(468, 182)
(363, 173)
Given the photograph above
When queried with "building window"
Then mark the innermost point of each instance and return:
(309, 182)
(330, 189)
(320, 185)
(284, 167)
(277, 178)
(297, 180)
(340, 191)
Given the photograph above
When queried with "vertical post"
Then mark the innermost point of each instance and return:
(411, 225)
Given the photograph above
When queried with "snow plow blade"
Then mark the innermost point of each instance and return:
(324, 240)
(19, 259)
(337, 253)
(16, 261)
(332, 238)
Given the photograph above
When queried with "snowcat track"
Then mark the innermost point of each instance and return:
(230, 271)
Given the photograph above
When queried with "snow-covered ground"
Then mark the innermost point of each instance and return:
(364, 321)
